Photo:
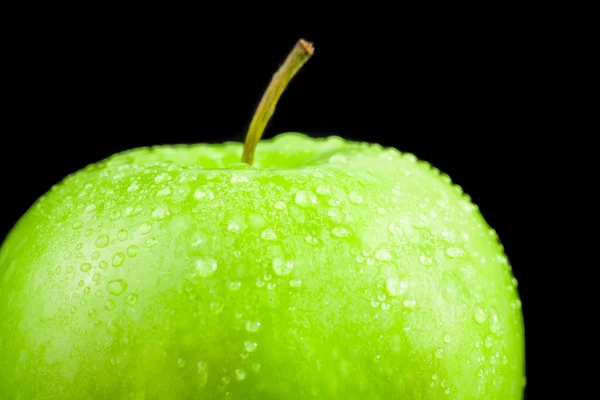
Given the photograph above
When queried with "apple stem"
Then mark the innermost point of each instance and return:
(292, 64)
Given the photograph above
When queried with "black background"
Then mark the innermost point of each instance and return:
(466, 96)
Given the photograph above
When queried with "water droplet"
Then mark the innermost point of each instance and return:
(92, 312)
(160, 213)
(494, 321)
(233, 227)
(90, 208)
(488, 341)
(311, 239)
(479, 315)
(102, 241)
(202, 373)
(85, 267)
(103, 264)
(87, 290)
(282, 267)
(305, 198)
(252, 326)
(98, 293)
(396, 287)
(240, 374)
(394, 229)
(95, 255)
(79, 246)
(181, 363)
(410, 303)
(234, 285)
(427, 261)
(118, 259)
(239, 179)
(337, 159)
(271, 286)
(447, 338)
(96, 277)
(133, 211)
(280, 205)
(381, 211)
(340, 232)
(76, 225)
(256, 367)
(268, 234)
(453, 252)
(216, 307)
(109, 305)
(383, 255)
(150, 242)
(163, 192)
(162, 177)
(296, 283)
(132, 250)
(132, 299)
(439, 352)
(144, 228)
(250, 346)
(355, 198)
(323, 190)
(133, 187)
(206, 267)
(116, 287)
(385, 306)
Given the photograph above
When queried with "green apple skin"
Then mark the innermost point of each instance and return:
(330, 269)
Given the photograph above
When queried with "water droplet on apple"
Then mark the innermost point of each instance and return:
(76, 225)
(162, 177)
(252, 326)
(340, 232)
(206, 267)
(488, 341)
(202, 373)
(240, 374)
(151, 242)
(87, 290)
(383, 255)
(394, 229)
(282, 267)
(144, 228)
(439, 352)
(233, 227)
(323, 190)
(132, 250)
(305, 198)
(109, 305)
(355, 198)
(381, 211)
(92, 312)
(239, 179)
(90, 208)
(216, 307)
(271, 286)
(396, 287)
(73, 310)
(98, 293)
(337, 159)
(96, 277)
(118, 259)
(116, 287)
(311, 239)
(132, 299)
(133, 187)
(385, 306)
(203, 195)
(160, 213)
(234, 285)
(426, 261)
(453, 252)
(103, 264)
(447, 338)
(410, 303)
(256, 367)
(180, 363)
(95, 255)
(85, 267)
(133, 211)
(279, 205)
(102, 241)
(250, 346)
(163, 192)
(296, 283)
(479, 315)
(494, 321)
(268, 234)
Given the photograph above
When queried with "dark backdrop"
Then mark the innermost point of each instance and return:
(465, 98)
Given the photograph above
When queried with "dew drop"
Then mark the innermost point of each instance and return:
(85, 267)
(385, 306)
(234, 285)
(92, 312)
(311, 239)
(280, 205)
(479, 315)
(256, 367)
(410, 303)
(323, 190)
(439, 353)
(116, 287)
(73, 310)
(282, 267)
(337, 159)
(133, 211)
(296, 283)
(355, 198)
(447, 338)
(240, 374)
(144, 228)
(132, 250)
(90, 208)
(202, 373)
(76, 225)
(102, 241)
(252, 326)
(239, 179)
(305, 198)
(132, 299)
(216, 307)
(133, 187)
(95, 255)
(96, 277)
(206, 267)
(383, 255)
(118, 259)
(233, 227)
(180, 363)
(488, 341)
(103, 264)
(109, 305)
(87, 290)
(163, 192)
(268, 234)
(151, 242)
(250, 346)
(340, 232)
(160, 213)
(381, 211)
(494, 321)
(396, 287)
(453, 252)
(426, 261)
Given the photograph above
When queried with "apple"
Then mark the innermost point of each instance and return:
(316, 268)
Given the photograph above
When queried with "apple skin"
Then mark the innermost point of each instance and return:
(331, 269)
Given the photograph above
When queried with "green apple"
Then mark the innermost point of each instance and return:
(328, 269)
